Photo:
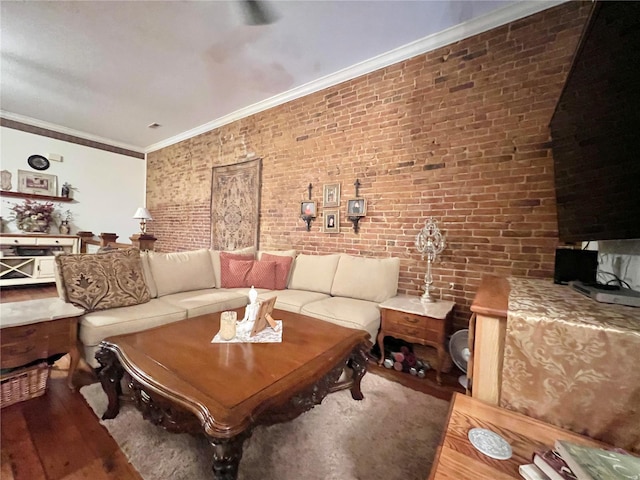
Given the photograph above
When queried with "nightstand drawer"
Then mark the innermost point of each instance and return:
(18, 354)
(415, 331)
(394, 317)
(412, 325)
(25, 333)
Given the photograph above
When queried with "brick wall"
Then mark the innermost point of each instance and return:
(460, 133)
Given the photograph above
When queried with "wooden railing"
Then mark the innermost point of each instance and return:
(138, 240)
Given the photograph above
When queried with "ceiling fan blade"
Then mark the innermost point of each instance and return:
(258, 13)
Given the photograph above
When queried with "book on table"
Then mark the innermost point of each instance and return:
(531, 472)
(591, 463)
(552, 465)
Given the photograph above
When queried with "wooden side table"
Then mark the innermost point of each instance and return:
(409, 319)
(37, 329)
(457, 458)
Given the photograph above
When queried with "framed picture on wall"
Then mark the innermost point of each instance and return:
(331, 221)
(357, 207)
(308, 209)
(38, 183)
(331, 195)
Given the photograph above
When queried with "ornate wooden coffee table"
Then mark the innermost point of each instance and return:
(184, 383)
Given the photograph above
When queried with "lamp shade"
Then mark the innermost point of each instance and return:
(142, 213)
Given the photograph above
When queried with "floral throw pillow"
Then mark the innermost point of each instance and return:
(103, 280)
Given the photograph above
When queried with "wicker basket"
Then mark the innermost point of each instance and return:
(23, 384)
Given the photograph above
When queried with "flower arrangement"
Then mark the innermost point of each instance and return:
(32, 216)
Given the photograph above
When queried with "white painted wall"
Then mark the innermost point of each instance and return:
(620, 258)
(108, 187)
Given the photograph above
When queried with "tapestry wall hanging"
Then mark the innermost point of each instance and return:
(235, 205)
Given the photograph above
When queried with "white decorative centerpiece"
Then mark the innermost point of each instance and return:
(250, 312)
(430, 243)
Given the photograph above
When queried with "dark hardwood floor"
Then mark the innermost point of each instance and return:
(58, 437)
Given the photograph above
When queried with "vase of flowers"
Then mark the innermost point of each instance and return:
(32, 216)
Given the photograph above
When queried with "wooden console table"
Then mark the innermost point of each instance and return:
(409, 319)
(457, 458)
(37, 329)
(554, 354)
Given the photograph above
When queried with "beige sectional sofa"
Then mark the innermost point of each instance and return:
(338, 288)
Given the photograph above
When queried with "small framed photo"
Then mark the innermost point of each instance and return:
(331, 195)
(357, 207)
(38, 183)
(331, 223)
(308, 209)
(264, 318)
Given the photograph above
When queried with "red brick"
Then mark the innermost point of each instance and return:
(460, 133)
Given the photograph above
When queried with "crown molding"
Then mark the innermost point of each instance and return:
(69, 131)
(497, 18)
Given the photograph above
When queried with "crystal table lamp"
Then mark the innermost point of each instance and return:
(143, 215)
(430, 243)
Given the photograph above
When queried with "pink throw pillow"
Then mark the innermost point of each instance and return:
(227, 279)
(283, 265)
(262, 275)
(237, 273)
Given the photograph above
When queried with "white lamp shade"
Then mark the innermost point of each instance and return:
(142, 213)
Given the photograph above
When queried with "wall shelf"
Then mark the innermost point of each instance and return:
(34, 196)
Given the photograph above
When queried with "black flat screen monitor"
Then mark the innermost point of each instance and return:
(595, 130)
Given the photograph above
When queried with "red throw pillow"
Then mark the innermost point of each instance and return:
(283, 265)
(262, 275)
(227, 280)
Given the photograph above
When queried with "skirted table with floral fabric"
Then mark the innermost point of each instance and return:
(573, 362)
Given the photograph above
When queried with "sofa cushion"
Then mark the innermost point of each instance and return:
(373, 279)
(314, 272)
(96, 326)
(278, 253)
(103, 280)
(348, 312)
(292, 300)
(201, 302)
(148, 276)
(181, 271)
(283, 267)
(215, 260)
(233, 278)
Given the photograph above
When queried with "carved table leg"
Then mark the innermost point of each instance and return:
(227, 453)
(110, 373)
(358, 361)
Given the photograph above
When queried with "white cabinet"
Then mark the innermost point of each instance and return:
(30, 258)
(45, 267)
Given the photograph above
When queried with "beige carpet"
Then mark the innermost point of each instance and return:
(391, 434)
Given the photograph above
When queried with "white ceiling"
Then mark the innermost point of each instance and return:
(106, 70)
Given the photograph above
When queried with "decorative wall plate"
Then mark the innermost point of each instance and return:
(38, 162)
(490, 443)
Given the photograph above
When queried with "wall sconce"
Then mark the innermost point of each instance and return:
(356, 208)
(143, 215)
(430, 243)
(308, 210)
